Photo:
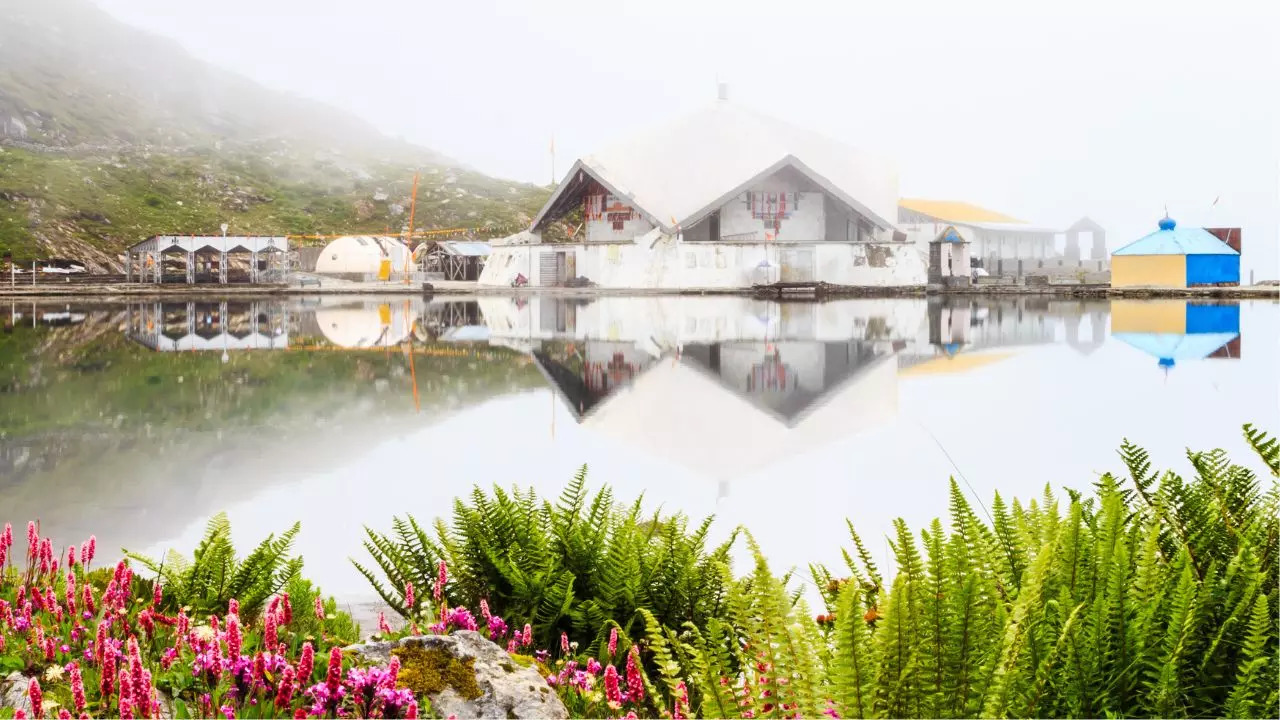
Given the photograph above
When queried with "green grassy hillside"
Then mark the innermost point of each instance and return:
(109, 134)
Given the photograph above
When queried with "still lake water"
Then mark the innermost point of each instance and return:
(139, 421)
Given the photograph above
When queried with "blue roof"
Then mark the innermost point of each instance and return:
(1171, 347)
(1173, 240)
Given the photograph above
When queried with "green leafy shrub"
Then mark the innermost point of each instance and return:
(214, 575)
(580, 566)
(1154, 597)
(336, 627)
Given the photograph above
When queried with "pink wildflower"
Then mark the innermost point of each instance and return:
(611, 691)
(319, 608)
(19, 714)
(412, 711)
(157, 593)
(71, 557)
(284, 691)
(613, 642)
(269, 636)
(77, 680)
(383, 627)
(635, 683)
(441, 578)
(93, 548)
(497, 627)
(528, 635)
(87, 596)
(484, 609)
(184, 622)
(108, 675)
(259, 669)
(333, 680)
(37, 698)
(235, 640)
(408, 596)
(286, 610)
(233, 607)
(64, 714)
(137, 682)
(306, 664)
(100, 642)
(228, 711)
(564, 643)
(511, 646)
(393, 672)
(682, 702)
(593, 666)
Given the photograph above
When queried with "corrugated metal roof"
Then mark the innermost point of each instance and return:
(1173, 240)
(472, 249)
(674, 172)
(956, 211)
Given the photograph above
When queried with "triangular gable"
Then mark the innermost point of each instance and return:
(798, 165)
(575, 181)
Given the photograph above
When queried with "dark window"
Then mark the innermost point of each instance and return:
(713, 226)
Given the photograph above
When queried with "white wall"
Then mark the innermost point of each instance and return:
(674, 265)
(806, 224)
(602, 230)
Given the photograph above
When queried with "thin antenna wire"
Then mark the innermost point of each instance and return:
(976, 497)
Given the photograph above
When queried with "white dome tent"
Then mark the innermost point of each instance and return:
(363, 255)
(366, 325)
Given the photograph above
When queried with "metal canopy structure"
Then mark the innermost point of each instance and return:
(194, 326)
(457, 259)
(146, 258)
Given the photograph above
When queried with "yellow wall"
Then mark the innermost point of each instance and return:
(1148, 316)
(1149, 270)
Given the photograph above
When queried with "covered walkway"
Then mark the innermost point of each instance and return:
(206, 258)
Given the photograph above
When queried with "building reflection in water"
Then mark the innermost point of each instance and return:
(223, 326)
(721, 385)
(1175, 331)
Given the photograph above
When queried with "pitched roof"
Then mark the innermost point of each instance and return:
(1172, 347)
(1173, 240)
(956, 211)
(678, 172)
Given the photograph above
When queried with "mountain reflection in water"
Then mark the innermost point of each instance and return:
(138, 421)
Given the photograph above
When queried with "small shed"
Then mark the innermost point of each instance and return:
(949, 258)
(1176, 257)
(1177, 330)
(363, 255)
(456, 259)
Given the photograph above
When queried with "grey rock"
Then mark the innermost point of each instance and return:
(13, 692)
(508, 689)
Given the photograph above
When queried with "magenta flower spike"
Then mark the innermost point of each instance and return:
(306, 664)
(235, 640)
(36, 697)
(269, 636)
(319, 608)
(442, 577)
(613, 642)
(611, 691)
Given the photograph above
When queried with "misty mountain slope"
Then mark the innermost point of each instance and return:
(109, 134)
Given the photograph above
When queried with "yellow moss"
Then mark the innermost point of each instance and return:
(427, 672)
(523, 660)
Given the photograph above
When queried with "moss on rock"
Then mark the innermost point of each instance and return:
(430, 671)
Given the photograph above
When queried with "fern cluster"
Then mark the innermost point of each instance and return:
(214, 575)
(581, 566)
(1156, 596)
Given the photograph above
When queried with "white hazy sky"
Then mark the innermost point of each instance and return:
(1043, 110)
